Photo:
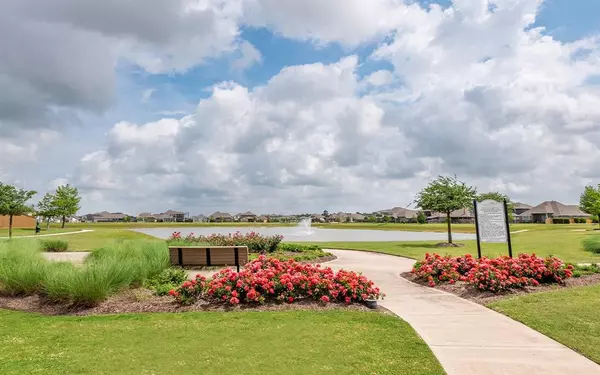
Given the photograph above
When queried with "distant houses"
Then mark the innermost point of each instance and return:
(547, 211)
(169, 216)
(105, 217)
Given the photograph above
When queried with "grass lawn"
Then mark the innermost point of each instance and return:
(300, 342)
(19, 232)
(559, 241)
(570, 316)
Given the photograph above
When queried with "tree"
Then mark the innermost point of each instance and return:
(13, 202)
(498, 197)
(46, 208)
(421, 219)
(446, 194)
(589, 202)
(66, 202)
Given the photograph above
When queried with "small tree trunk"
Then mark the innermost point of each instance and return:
(47, 223)
(10, 221)
(63, 221)
(449, 227)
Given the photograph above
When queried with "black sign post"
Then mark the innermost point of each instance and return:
(477, 229)
(507, 229)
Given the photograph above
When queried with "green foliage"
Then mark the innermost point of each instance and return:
(46, 208)
(588, 269)
(560, 220)
(421, 219)
(54, 245)
(66, 201)
(296, 248)
(580, 220)
(13, 202)
(592, 243)
(446, 194)
(169, 278)
(589, 202)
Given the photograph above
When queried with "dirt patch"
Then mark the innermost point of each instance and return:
(466, 291)
(144, 301)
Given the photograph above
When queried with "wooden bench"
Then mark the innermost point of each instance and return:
(209, 255)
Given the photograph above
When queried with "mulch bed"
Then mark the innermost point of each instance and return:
(144, 301)
(466, 291)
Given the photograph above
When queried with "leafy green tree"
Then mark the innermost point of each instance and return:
(421, 219)
(46, 208)
(66, 201)
(13, 202)
(446, 194)
(498, 197)
(589, 202)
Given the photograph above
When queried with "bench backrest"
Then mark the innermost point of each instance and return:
(209, 255)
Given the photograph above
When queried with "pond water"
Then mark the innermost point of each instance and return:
(299, 234)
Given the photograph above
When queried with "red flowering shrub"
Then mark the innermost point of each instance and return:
(268, 279)
(256, 242)
(493, 274)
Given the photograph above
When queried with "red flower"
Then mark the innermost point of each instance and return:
(325, 299)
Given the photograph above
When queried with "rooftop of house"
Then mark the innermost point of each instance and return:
(220, 214)
(519, 205)
(247, 213)
(556, 209)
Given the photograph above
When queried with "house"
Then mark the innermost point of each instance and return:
(221, 217)
(105, 217)
(545, 211)
(462, 216)
(199, 219)
(262, 219)
(166, 217)
(519, 208)
(399, 214)
(146, 217)
(246, 217)
(317, 218)
(21, 221)
(357, 218)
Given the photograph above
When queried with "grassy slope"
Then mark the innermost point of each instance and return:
(19, 232)
(570, 316)
(300, 342)
(560, 242)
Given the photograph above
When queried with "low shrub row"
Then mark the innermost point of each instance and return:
(268, 279)
(256, 242)
(492, 275)
(23, 271)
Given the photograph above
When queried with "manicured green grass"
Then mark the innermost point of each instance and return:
(102, 236)
(570, 316)
(561, 242)
(20, 232)
(299, 342)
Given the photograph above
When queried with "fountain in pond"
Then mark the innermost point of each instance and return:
(305, 226)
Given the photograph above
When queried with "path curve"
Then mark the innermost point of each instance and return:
(51, 234)
(467, 338)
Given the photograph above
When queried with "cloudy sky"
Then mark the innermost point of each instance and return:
(295, 106)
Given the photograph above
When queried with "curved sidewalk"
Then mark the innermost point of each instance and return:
(467, 338)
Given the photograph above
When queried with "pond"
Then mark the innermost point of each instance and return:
(301, 234)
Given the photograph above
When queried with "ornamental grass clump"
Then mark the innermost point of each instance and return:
(271, 280)
(22, 268)
(592, 243)
(54, 246)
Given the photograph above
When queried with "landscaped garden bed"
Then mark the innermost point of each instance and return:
(257, 244)
(485, 280)
(135, 277)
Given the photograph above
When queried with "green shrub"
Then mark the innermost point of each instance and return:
(22, 267)
(590, 269)
(296, 248)
(560, 221)
(54, 245)
(592, 244)
(580, 220)
(170, 278)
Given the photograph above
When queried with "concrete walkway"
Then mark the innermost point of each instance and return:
(51, 234)
(467, 338)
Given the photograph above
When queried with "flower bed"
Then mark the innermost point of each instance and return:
(493, 275)
(271, 280)
(256, 242)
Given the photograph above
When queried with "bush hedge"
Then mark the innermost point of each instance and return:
(54, 245)
(560, 221)
(256, 242)
(592, 243)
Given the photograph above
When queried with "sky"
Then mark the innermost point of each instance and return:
(283, 106)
